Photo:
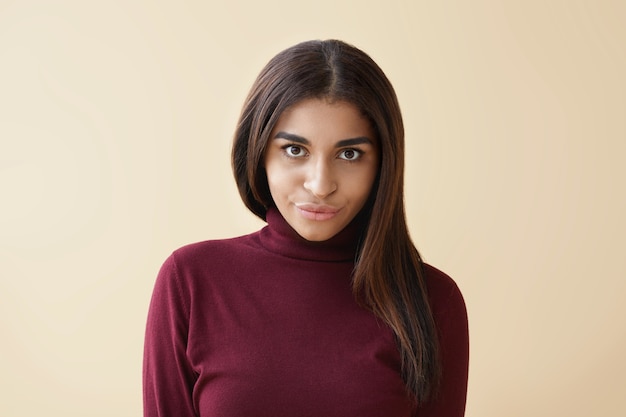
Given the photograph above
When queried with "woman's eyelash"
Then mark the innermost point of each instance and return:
(293, 150)
(351, 154)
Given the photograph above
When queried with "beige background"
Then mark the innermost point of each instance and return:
(115, 126)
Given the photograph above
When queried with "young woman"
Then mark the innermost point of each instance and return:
(328, 310)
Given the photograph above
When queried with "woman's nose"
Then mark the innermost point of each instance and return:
(320, 180)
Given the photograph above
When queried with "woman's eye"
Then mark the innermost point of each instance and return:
(293, 150)
(350, 154)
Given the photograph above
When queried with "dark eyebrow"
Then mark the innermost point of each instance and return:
(354, 141)
(291, 137)
(345, 142)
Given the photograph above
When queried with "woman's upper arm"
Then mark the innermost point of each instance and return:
(452, 328)
(168, 377)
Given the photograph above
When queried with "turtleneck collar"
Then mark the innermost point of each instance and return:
(279, 237)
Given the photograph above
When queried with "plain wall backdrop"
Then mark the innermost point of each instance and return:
(116, 119)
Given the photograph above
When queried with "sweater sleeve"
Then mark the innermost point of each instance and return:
(452, 327)
(168, 377)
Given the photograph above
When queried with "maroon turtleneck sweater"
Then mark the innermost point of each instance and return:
(267, 325)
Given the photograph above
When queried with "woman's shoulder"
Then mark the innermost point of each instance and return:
(192, 267)
(443, 291)
(212, 255)
(216, 247)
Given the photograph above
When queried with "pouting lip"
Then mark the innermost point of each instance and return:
(317, 208)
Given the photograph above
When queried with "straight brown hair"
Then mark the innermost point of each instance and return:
(388, 277)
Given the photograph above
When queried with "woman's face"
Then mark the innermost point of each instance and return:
(321, 163)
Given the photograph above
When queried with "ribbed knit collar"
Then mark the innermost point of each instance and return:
(279, 237)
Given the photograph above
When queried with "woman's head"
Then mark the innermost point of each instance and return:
(321, 163)
(336, 72)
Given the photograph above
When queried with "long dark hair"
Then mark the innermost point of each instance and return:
(388, 277)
